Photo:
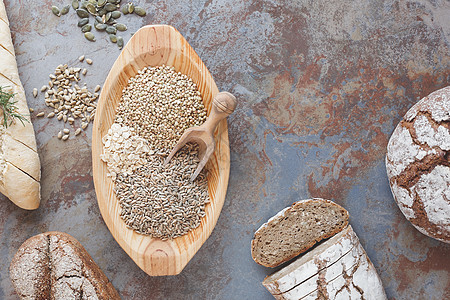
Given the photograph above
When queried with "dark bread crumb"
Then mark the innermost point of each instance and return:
(296, 230)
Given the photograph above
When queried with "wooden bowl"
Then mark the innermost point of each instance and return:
(153, 46)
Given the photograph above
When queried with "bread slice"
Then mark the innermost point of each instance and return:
(54, 265)
(296, 229)
(338, 268)
(20, 170)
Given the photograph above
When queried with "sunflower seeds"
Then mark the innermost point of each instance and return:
(55, 10)
(35, 92)
(86, 28)
(89, 36)
(60, 134)
(81, 58)
(41, 114)
(83, 22)
(78, 131)
(120, 42)
(66, 131)
(121, 27)
(82, 13)
(65, 137)
(51, 115)
(89, 61)
(140, 11)
(65, 10)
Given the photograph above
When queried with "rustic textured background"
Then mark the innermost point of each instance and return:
(321, 86)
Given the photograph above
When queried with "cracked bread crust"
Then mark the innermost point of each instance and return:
(54, 265)
(418, 165)
(296, 229)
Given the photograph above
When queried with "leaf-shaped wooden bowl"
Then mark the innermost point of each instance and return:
(153, 46)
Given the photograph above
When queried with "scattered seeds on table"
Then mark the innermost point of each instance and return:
(82, 13)
(31, 110)
(124, 9)
(110, 7)
(83, 22)
(89, 36)
(86, 28)
(65, 10)
(35, 92)
(78, 131)
(101, 3)
(44, 88)
(84, 71)
(116, 14)
(121, 27)
(130, 8)
(51, 115)
(89, 61)
(111, 30)
(41, 114)
(113, 38)
(60, 134)
(97, 88)
(101, 26)
(140, 11)
(66, 131)
(55, 10)
(81, 58)
(120, 42)
(91, 9)
(65, 137)
(75, 4)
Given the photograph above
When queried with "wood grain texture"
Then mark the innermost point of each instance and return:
(153, 46)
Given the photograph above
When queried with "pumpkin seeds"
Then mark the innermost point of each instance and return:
(65, 9)
(113, 38)
(124, 9)
(75, 4)
(140, 11)
(107, 17)
(121, 27)
(82, 13)
(115, 14)
(110, 7)
(101, 26)
(101, 3)
(89, 36)
(130, 8)
(99, 19)
(120, 42)
(111, 30)
(55, 11)
(91, 8)
(86, 28)
(83, 22)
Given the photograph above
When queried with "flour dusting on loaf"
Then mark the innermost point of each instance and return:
(418, 165)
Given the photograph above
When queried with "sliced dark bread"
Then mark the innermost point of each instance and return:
(296, 229)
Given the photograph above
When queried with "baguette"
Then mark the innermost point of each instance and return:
(19, 161)
(54, 265)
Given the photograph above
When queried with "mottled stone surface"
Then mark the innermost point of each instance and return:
(321, 85)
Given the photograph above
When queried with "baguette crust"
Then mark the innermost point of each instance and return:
(54, 265)
(259, 234)
(20, 166)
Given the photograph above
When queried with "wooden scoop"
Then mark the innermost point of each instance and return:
(223, 105)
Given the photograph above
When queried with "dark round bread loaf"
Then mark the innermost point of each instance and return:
(54, 265)
(418, 165)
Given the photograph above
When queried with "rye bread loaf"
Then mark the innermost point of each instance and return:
(54, 265)
(338, 268)
(296, 229)
(418, 165)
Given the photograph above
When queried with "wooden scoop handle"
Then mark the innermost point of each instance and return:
(223, 105)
